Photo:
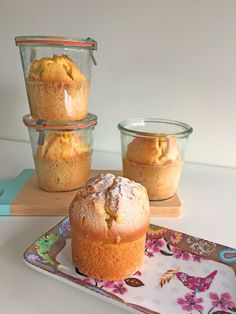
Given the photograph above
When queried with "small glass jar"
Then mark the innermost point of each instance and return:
(153, 153)
(57, 72)
(62, 152)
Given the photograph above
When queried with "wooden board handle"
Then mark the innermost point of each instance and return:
(10, 188)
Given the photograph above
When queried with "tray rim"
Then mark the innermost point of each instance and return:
(120, 303)
(83, 289)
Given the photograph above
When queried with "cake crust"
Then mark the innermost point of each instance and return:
(57, 90)
(109, 218)
(155, 163)
(62, 162)
(109, 208)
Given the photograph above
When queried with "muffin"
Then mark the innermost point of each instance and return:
(155, 163)
(57, 90)
(62, 162)
(109, 218)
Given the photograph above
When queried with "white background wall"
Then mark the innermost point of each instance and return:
(157, 58)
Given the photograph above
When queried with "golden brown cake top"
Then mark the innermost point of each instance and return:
(110, 208)
(61, 146)
(55, 69)
(152, 151)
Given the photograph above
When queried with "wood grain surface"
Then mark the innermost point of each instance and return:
(33, 201)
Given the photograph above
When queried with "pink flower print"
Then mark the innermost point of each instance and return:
(180, 254)
(87, 280)
(138, 273)
(119, 287)
(149, 254)
(224, 301)
(197, 259)
(155, 244)
(109, 284)
(190, 303)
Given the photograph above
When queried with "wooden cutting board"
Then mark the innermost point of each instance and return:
(22, 196)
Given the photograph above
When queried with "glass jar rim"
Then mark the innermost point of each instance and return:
(47, 41)
(40, 124)
(122, 126)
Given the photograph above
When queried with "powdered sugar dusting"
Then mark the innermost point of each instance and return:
(124, 189)
(117, 190)
(101, 182)
(110, 202)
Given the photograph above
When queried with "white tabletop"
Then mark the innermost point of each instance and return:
(207, 194)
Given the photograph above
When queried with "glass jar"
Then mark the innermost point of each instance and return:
(62, 152)
(153, 153)
(57, 72)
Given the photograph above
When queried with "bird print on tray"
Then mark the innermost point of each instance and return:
(194, 283)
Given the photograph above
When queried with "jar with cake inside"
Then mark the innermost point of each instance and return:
(57, 72)
(62, 153)
(153, 154)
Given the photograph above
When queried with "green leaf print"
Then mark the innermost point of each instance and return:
(43, 246)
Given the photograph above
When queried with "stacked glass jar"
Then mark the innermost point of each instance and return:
(57, 72)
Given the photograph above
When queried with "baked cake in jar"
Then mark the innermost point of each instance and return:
(57, 90)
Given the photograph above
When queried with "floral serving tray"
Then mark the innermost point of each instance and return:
(180, 274)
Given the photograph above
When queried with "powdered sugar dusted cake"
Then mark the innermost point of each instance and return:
(109, 218)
